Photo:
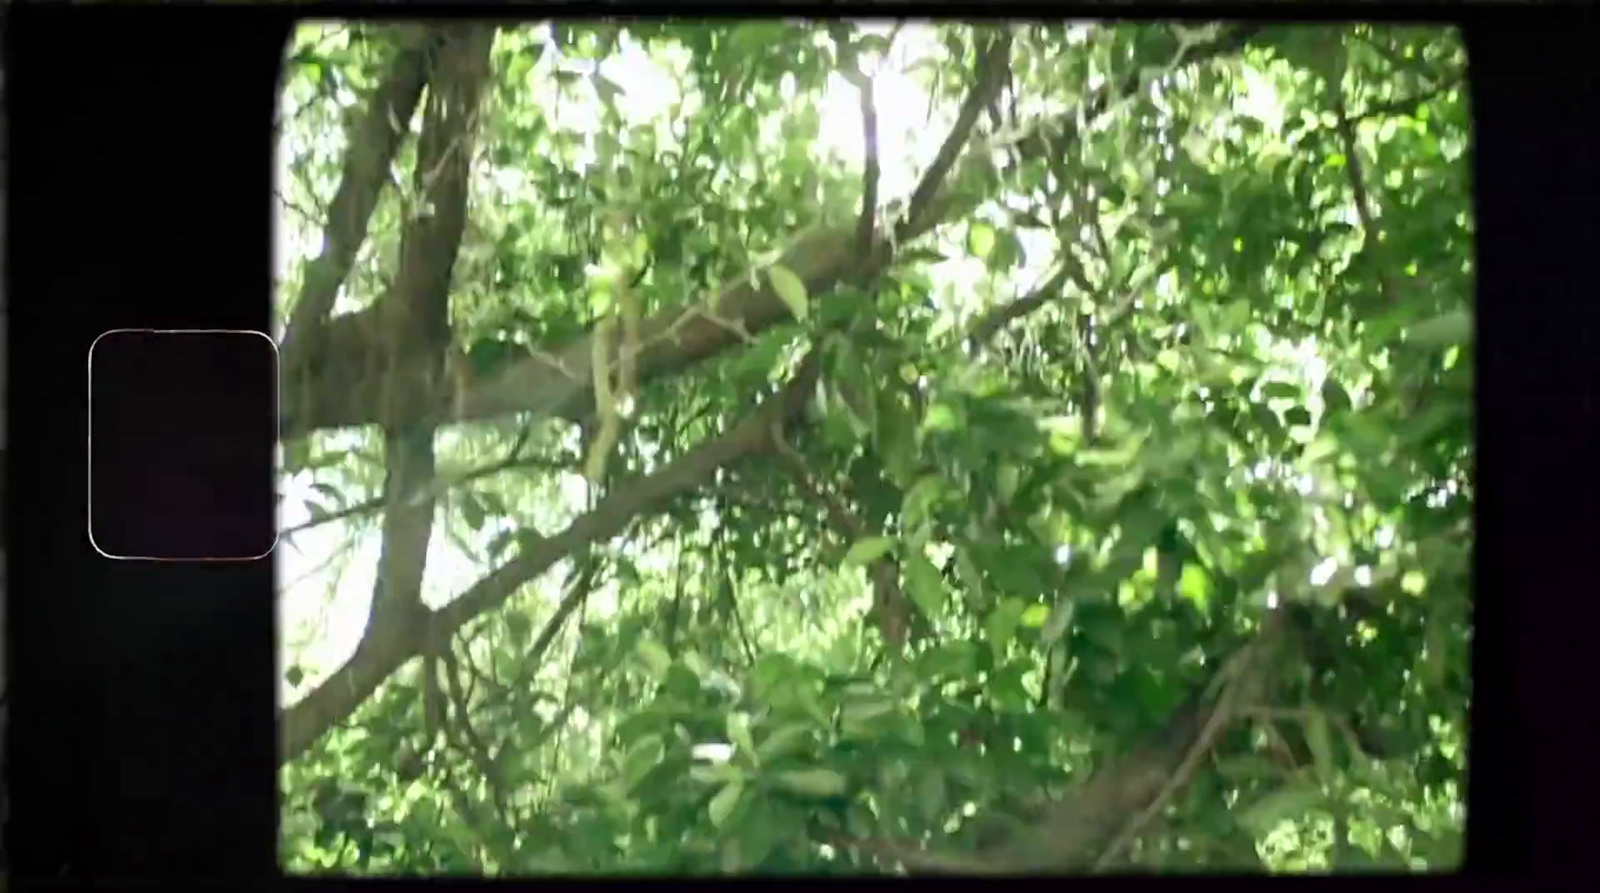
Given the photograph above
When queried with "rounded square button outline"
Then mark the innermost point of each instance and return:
(88, 521)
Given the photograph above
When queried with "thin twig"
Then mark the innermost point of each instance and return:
(851, 69)
(284, 200)
(468, 741)
(1358, 185)
(1406, 104)
(438, 488)
(988, 325)
(744, 637)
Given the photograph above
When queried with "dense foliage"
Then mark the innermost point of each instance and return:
(1099, 499)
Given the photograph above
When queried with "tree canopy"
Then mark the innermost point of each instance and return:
(834, 447)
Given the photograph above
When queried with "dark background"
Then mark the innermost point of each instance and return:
(176, 448)
(144, 741)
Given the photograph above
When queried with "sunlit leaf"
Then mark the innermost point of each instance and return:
(1034, 616)
(868, 550)
(1288, 802)
(791, 289)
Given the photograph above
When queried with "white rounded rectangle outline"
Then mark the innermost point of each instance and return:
(88, 521)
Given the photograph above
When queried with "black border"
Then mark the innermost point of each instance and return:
(144, 734)
(143, 745)
(175, 472)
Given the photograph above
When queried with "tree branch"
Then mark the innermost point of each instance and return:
(991, 71)
(1358, 186)
(987, 326)
(378, 656)
(418, 316)
(893, 608)
(850, 68)
(1222, 715)
(374, 141)
(821, 257)
(1406, 105)
(439, 487)
(866, 226)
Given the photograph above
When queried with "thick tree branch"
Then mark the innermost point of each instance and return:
(558, 385)
(1091, 826)
(417, 315)
(374, 140)
(378, 656)
(1081, 829)
(1243, 682)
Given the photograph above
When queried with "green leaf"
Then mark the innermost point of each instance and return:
(681, 682)
(967, 571)
(757, 37)
(1288, 802)
(949, 660)
(1059, 621)
(1280, 390)
(1035, 616)
(980, 239)
(1297, 415)
(817, 783)
(715, 773)
(1266, 419)
(472, 509)
(739, 732)
(866, 551)
(758, 835)
(925, 586)
(790, 289)
(655, 656)
(941, 417)
(921, 495)
(860, 712)
(1444, 330)
(1001, 624)
(1195, 586)
(518, 628)
(607, 90)
(296, 455)
(810, 704)
(790, 739)
(723, 803)
(645, 755)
